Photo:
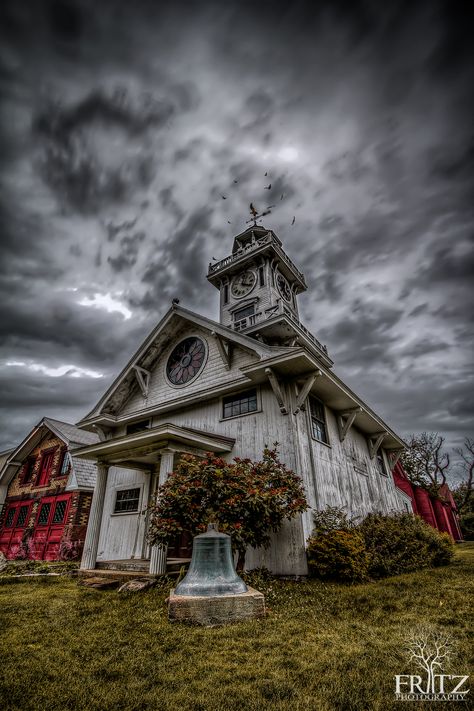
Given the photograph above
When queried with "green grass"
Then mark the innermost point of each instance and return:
(322, 647)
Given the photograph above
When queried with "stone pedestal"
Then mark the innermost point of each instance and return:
(216, 610)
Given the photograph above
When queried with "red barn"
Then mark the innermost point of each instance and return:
(440, 513)
(45, 493)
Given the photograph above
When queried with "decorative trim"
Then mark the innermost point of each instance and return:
(225, 349)
(203, 365)
(143, 378)
(276, 390)
(305, 390)
(374, 442)
(344, 425)
(393, 456)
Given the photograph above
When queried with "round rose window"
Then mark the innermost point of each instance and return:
(186, 361)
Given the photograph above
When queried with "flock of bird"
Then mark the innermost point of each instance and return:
(256, 215)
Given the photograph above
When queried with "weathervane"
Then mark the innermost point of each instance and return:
(256, 216)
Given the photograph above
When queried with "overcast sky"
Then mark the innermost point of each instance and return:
(123, 125)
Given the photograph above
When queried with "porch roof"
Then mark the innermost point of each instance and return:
(141, 446)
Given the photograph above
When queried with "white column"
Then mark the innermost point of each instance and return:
(158, 553)
(91, 543)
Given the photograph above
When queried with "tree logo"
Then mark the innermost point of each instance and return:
(430, 651)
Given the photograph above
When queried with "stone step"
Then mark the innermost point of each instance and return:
(137, 566)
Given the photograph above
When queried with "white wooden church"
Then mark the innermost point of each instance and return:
(256, 377)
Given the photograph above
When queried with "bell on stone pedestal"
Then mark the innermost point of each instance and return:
(211, 571)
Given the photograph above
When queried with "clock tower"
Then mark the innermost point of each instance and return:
(259, 285)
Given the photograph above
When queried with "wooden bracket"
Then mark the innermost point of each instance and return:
(393, 458)
(143, 379)
(305, 390)
(344, 425)
(374, 443)
(277, 390)
(224, 348)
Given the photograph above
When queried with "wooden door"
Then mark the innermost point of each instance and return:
(13, 529)
(49, 526)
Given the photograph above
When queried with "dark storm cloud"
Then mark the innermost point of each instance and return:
(183, 247)
(69, 162)
(122, 119)
(128, 254)
(368, 331)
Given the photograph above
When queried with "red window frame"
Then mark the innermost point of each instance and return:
(44, 474)
(16, 508)
(53, 502)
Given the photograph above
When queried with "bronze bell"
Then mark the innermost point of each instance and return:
(211, 571)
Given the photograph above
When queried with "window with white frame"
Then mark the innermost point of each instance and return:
(319, 428)
(240, 404)
(127, 500)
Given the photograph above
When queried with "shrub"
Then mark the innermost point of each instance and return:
(70, 550)
(338, 555)
(248, 499)
(381, 545)
(402, 543)
(332, 518)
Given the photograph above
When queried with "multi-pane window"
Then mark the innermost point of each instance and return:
(10, 517)
(59, 512)
(381, 463)
(318, 420)
(240, 404)
(21, 520)
(65, 464)
(127, 500)
(44, 514)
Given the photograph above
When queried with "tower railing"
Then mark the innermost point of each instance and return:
(251, 247)
(271, 312)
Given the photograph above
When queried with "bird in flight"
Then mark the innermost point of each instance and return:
(229, 222)
(223, 197)
(268, 187)
(266, 175)
(282, 196)
(253, 211)
(236, 181)
(294, 220)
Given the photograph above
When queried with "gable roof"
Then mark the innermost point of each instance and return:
(71, 435)
(153, 346)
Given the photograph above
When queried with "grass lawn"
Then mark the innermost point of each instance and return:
(321, 647)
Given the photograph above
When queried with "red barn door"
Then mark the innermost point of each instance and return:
(15, 523)
(49, 526)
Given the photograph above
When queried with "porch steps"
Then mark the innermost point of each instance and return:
(137, 566)
(124, 570)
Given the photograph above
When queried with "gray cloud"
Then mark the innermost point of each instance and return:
(122, 125)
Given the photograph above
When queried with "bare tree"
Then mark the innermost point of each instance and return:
(464, 490)
(425, 461)
(431, 650)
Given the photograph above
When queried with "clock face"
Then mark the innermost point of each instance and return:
(186, 361)
(243, 284)
(283, 287)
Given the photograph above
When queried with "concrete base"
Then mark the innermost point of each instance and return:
(217, 610)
